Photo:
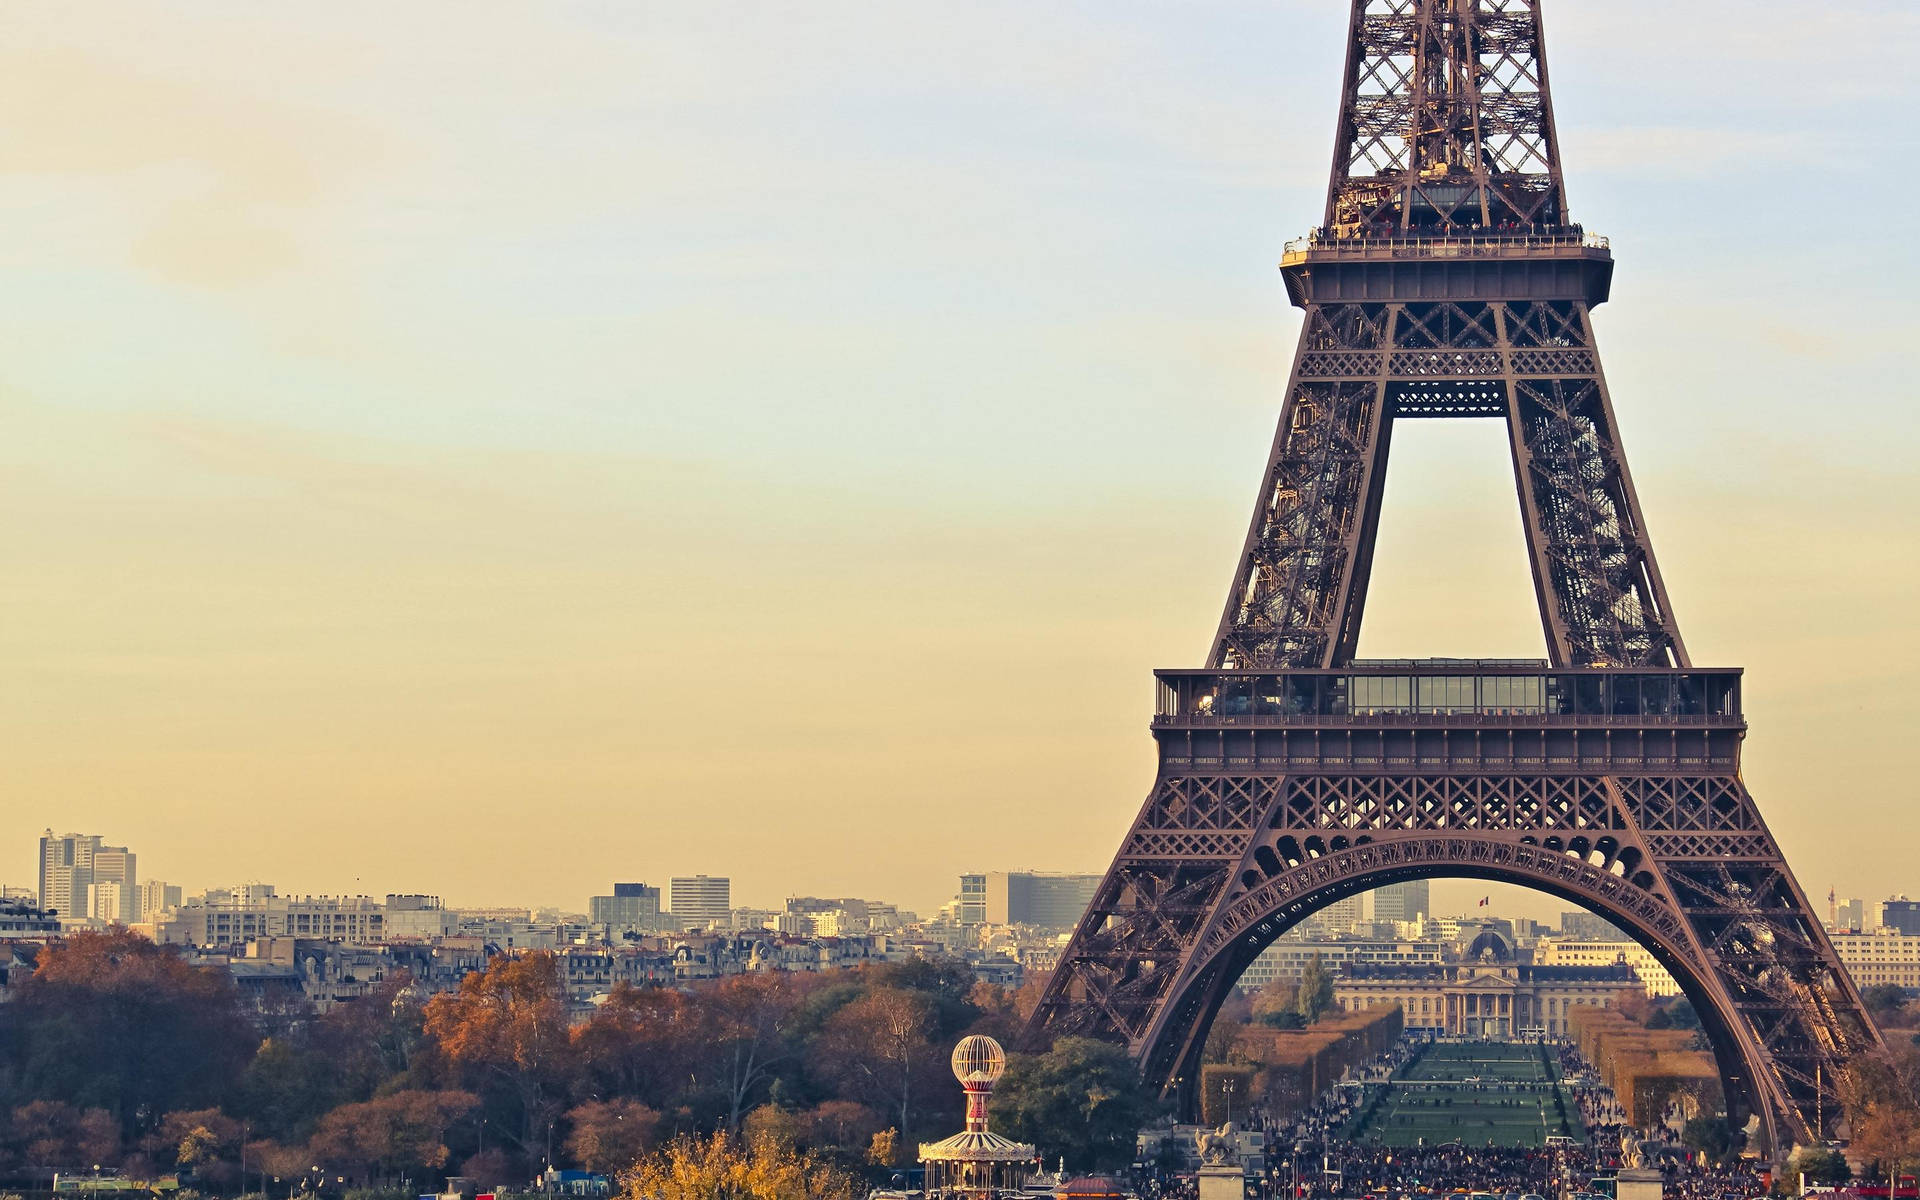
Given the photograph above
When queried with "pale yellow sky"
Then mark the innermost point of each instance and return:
(495, 450)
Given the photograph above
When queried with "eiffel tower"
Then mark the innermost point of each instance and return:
(1448, 280)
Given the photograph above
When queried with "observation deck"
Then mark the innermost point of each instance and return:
(1476, 715)
(1544, 263)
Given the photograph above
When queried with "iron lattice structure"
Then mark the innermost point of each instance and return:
(1448, 281)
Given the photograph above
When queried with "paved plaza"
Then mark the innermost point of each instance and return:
(1474, 1093)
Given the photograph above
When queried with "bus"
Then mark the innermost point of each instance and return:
(113, 1181)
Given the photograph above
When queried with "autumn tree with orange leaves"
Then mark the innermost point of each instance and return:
(642, 1042)
(392, 1135)
(508, 1026)
(1881, 1090)
(111, 1021)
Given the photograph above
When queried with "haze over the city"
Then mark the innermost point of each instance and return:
(497, 450)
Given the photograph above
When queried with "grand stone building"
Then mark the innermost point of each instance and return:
(1489, 994)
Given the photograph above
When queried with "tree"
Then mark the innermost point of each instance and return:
(1885, 1002)
(390, 1135)
(509, 1024)
(841, 1125)
(195, 1137)
(1221, 1040)
(347, 1054)
(204, 1142)
(724, 1168)
(1277, 1006)
(947, 983)
(747, 1037)
(289, 1086)
(1316, 991)
(1881, 1092)
(1000, 1016)
(611, 1135)
(880, 1046)
(1632, 1003)
(643, 1043)
(1820, 1165)
(771, 1125)
(1710, 1136)
(49, 1136)
(114, 1022)
(1033, 986)
(1082, 1099)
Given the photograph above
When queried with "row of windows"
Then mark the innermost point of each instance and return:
(1666, 694)
(1427, 1005)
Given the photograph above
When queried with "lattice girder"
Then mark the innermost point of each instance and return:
(1445, 120)
(1299, 595)
(1164, 940)
(1449, 281)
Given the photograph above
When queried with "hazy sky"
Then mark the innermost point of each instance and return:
(497, 449)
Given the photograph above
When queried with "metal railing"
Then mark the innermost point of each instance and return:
(1455, 245)
(1457, 718)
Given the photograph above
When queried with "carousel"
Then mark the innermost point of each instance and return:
(977, 1164)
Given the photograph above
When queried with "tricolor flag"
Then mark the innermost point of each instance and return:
(1483, 901)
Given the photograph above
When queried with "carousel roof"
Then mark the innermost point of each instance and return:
(976, 1146)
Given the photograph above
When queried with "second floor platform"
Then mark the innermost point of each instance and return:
(1451, 693)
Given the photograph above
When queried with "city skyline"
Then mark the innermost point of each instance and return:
(354, 518)
(1456, 898)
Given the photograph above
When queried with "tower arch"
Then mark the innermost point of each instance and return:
(1170, 1051)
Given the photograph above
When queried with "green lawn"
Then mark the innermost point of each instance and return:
(1429, 1098)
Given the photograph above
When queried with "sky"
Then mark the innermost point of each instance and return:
(493, 449)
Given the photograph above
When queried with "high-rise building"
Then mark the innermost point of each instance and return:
(155, 897)
(412, 917)
(698, 901)
(115, 865)
(753, 918)
(107, 901)
(1340, 917)
(1900, 913)
(1848, 916)
(1589, 927)
(65, 861)
(972, 900)
(1047, 899)
(70, 863)
(633, 908)
(1401, 901)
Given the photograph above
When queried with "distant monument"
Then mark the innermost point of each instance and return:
(1631, 1156)
(1222, 1175)
(977, 1164)
(1636, 1180)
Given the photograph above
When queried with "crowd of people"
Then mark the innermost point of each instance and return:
(1310, 1155)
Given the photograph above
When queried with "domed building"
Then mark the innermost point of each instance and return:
(1492, 990)
(977, 1164)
